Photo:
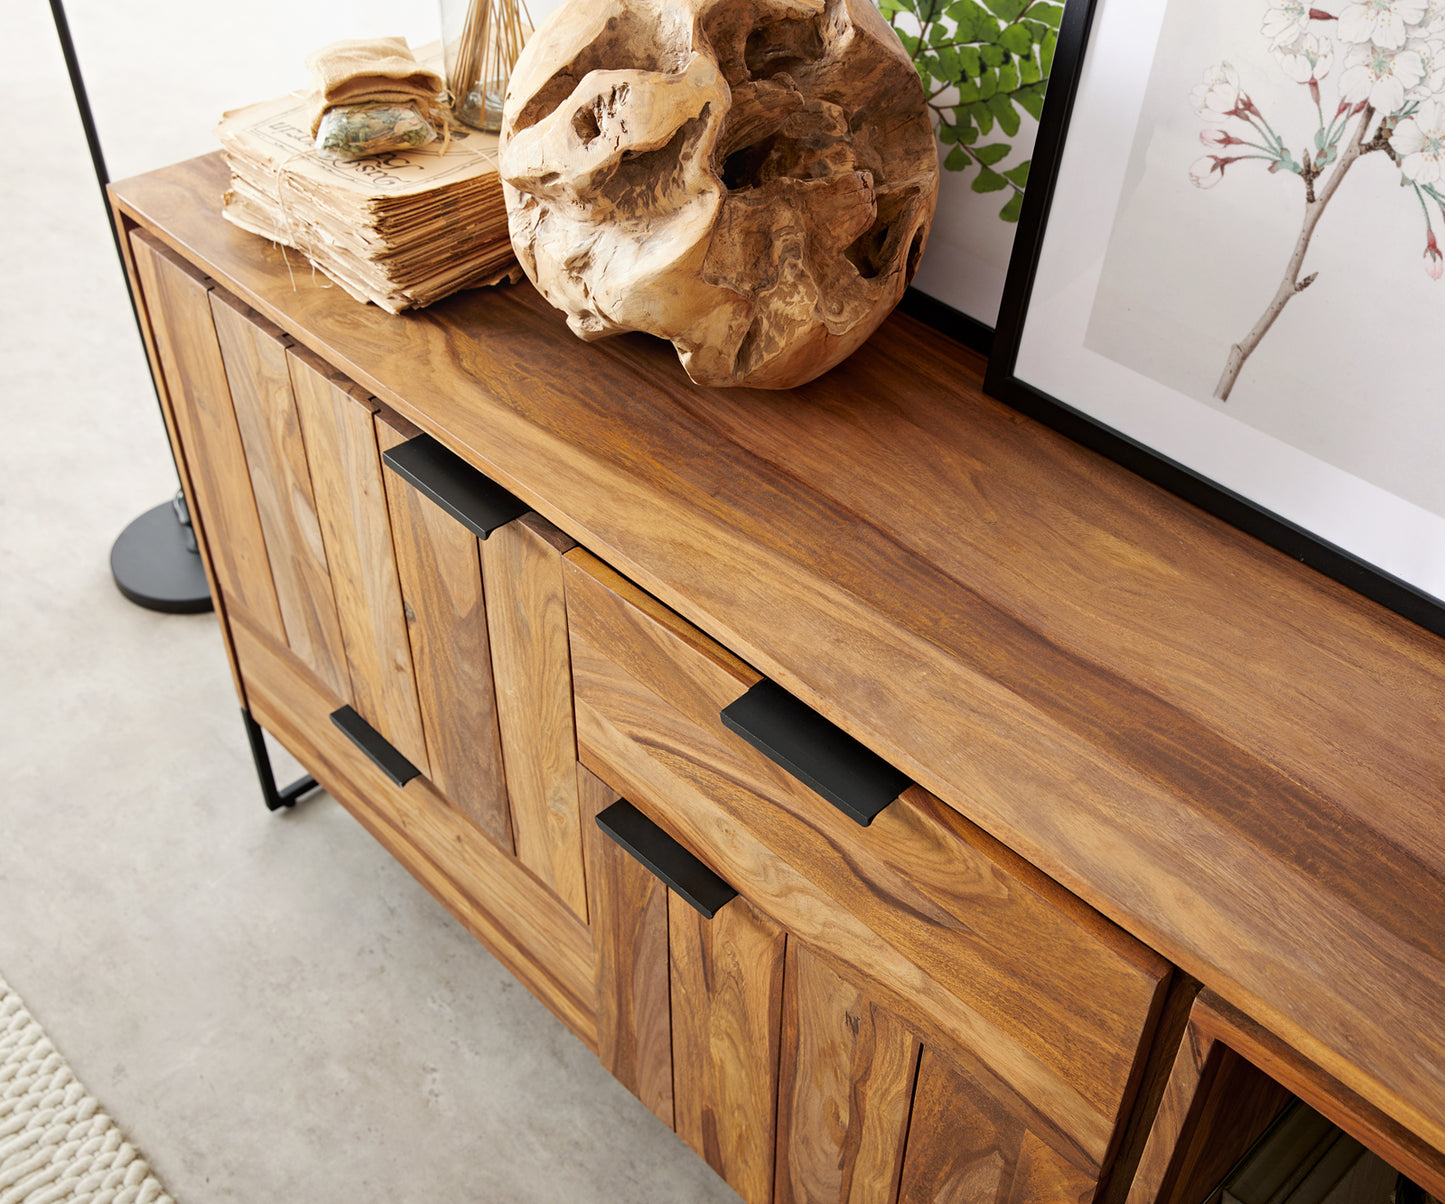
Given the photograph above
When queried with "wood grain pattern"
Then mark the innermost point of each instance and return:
(727, 987)
(178, 302)
(518, 919)
(180, 452)
(628, 912)
(527, 622)
(964, 1149)
(699, 266)
(1129, 1160)
(1217, 1020)
(254, 353)
(440, 571)
(1148, 705)
(178, 448)
(1215, 1106)
(351, 503)
(845, 1089)
(1005, 964)
(1021, 1081)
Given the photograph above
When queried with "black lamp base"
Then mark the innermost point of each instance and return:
(156, 565)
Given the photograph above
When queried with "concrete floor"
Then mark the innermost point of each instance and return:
(268, 1005)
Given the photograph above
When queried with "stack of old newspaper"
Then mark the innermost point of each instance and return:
(401, 229)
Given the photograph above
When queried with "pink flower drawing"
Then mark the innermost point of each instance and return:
(1433, 264)
(1382, 22)
(1388, 103)
(1380, 75)
(1419, 143)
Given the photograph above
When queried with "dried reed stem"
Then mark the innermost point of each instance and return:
(491, 39)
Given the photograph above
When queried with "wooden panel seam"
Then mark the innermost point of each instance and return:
(127, 229)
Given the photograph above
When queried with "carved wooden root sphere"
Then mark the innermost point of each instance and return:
(752, 179)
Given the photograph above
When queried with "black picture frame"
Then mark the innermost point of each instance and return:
(963, 328)
(959, 287)
(1003, 382)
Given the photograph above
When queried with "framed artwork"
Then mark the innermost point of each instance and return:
(1228, 271)
(985, 67)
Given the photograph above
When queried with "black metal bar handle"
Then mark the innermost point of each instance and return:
(818, 753)
(665, 858)
(474, 500)
(382, 754)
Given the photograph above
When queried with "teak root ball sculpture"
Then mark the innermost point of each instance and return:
(751, 179)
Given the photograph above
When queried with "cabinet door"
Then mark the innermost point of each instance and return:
(345, 465)
(845, 1091)
(689, 1005)
(727, 985)
(193, 377)
(628, 910)
(870, 1112)
(446, 616)
(254, 353)
(482, 581)
(527, 621)
(341, 582)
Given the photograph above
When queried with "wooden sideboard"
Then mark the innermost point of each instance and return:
(1166, 845)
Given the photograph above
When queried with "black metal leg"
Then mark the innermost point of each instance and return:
(275, 798)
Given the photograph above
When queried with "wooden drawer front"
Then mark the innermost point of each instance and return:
(1045, 1003)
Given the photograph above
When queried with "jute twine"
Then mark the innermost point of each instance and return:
(295, 238)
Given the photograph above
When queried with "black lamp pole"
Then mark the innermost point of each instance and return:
(155, 561)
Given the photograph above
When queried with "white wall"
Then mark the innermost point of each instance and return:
(229, 54)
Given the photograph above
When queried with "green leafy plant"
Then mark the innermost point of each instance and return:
(981, 62)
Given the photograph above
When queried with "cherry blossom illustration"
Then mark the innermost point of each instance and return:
(1385, 63)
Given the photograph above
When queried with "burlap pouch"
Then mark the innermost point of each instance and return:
(367, 71)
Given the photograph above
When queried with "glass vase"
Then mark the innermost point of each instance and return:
(482, 39)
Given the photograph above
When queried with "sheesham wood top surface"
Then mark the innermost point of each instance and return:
(1238, 760)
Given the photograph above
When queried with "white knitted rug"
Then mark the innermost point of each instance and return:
(57, 1145)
